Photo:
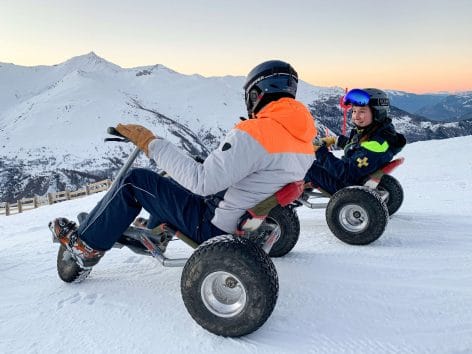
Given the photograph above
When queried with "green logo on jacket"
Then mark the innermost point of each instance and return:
(375, 146)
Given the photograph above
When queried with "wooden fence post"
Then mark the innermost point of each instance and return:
(51, 197)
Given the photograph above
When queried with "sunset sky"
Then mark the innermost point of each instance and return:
(416, 45)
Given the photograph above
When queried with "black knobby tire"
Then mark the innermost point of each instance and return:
(287, 219)
(357, 215)
(67, 268)
(222, 271)
(395, 191)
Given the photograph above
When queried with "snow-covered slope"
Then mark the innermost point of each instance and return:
(409, 292)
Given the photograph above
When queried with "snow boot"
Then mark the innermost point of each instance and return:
(66, 232)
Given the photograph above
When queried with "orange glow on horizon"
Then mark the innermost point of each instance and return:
(426, 78)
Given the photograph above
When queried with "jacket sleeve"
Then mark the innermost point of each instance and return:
(234, 159)
(353, 168)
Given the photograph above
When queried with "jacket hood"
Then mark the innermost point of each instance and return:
(293, 116)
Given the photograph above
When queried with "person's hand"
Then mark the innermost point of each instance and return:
(342, 141)
(329, 140)
(137, 134)
(317, 142)
(326, 141)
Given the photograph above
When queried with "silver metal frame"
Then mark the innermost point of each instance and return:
(143, 235)
(371, 183)
(126, 166)
(306, 196)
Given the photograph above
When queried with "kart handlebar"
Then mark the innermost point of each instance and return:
(121, 138)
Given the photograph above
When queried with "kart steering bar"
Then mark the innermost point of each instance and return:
(113, 131)
(131, 157)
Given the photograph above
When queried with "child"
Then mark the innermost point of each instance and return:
(371, 144)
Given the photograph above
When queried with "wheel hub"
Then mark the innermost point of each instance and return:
(230, 282)
(223, 294)
(353, 218)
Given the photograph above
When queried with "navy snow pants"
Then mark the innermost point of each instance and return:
(320, 177)
(165, 200)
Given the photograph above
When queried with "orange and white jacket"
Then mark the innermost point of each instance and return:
(257, 158)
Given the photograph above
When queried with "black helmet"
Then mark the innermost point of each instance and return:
(376, 99)
(268, 82)
(379, 103)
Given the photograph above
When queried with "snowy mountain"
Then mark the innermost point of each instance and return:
(412, 102)
(54, 118)
(452, 107)
(408, 292)
(437, 107)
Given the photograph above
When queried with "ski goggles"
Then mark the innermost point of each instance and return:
(358, 97)
(355, 97)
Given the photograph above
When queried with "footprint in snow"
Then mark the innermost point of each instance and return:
(79, 297)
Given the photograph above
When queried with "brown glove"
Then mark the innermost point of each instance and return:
(329, 140)
(137, 134)
(326, 141)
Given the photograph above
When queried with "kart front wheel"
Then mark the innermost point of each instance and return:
(229, 286)
(357, 215)
(68, 269)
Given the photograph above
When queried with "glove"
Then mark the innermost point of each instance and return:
(137, 134)
(329, 140)
(317, 144)
(342, 141)
(326, 141)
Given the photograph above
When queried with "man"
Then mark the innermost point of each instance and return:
(259, 156)
(372, 143)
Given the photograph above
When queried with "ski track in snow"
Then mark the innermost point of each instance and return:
(409, 292)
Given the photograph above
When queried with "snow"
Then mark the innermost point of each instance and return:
(409, 292)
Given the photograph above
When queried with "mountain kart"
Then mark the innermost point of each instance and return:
(356, 215)
(229, 284)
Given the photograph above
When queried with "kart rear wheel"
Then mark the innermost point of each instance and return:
(229, 286)
(395, 193)
(287, 219)
(357, 215)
